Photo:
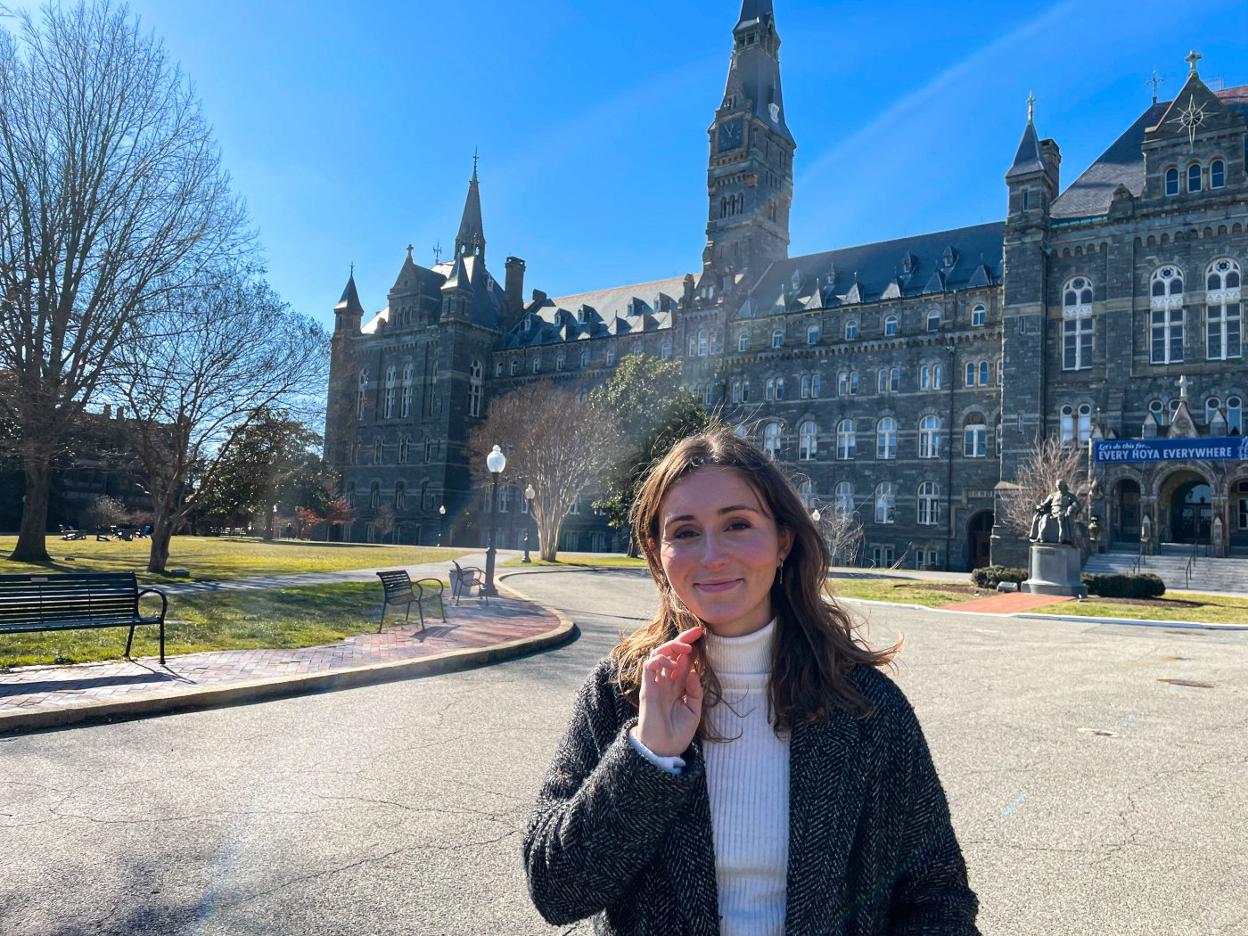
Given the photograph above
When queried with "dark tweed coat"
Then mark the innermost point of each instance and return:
(871, 848)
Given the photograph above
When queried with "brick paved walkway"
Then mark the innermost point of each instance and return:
(1009, 603)
(471, 625)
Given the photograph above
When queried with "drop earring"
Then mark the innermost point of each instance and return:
(780, 566)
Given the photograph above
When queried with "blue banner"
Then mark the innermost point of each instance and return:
(1214, 448)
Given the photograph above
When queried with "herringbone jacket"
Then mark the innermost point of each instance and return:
(872, 851)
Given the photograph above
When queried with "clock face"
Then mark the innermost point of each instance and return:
(731, 134)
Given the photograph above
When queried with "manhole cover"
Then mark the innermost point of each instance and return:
(1185, 682)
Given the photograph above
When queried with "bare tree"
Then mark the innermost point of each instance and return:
(111, 189)
(842, 531)
(554, 441)
(223, 353)
(1048, 462)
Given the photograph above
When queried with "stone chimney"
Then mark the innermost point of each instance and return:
(514, 287)
(539, 296)
(1052, 156)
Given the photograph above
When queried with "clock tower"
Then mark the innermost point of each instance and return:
(750, 176)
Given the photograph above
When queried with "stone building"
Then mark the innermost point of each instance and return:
(903, 380)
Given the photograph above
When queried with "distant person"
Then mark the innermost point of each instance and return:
(667, 807)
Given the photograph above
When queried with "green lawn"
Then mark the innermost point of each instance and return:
(905, 591)
(1189, 606)
(210, 558)
(292, 617)
(580, 559)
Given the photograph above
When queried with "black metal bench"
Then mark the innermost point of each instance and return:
(466, 578)
(77, 601)
(399, 589)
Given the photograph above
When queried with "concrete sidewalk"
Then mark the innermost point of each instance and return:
(475, 634)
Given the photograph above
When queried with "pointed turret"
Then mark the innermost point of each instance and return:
(1028, 158)
(754, 72)
(470, 241)
(350, 300)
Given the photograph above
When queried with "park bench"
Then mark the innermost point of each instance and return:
(399, 589)
(464, 579)
(77, 601)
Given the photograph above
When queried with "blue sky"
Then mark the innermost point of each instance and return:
(350, 131)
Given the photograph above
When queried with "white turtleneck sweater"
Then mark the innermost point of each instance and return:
(747, 781)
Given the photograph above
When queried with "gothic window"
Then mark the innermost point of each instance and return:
(985, 373)
(853, 383)
(779, 388)
(881, 382)
(743, 341)
(929, 437)
(975, 437)
(1217, 174)
(846, 440)
(584, 357)
(1077, 324)
(702, 342)
(970, 373)
(1085, 422)
(815, 381)
(1212, 405)
(374, 495)
(812, 334)
(937, 370)
(515, 366)
(1193, 177)
(771, 439)
(474, 389)
(844, 497)
(925, 377)
(400, 496)
(363, 395)
(404, 445)
(886, 438)
(979, 316)
(777, 338)
(391, 392)
(745, 392)
(1066, 424)
(885, 502)
(715, 342)
(807, 440)
(842, 383)
(770, 392)
(1172, 181)
(537, 363)
(405, 408)
(805, 393)
(1223, 314)
(929, 503)
(1166, 303)
(377, 451)
(736, 391)
(1157, 411)
(890, 326)
(498, 368)
(1234, 416)
(665, 349)
(933, 320)
(851, 330)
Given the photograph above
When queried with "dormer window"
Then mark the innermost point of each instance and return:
(1172, 181)
(907, 264)
(949, 258)
(580, 315)
(796, 280)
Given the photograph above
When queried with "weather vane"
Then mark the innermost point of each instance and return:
(1156, 81)
(437, 253)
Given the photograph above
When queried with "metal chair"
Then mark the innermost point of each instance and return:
(399, 589)
(464, 579)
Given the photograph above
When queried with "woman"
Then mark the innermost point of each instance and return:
(740, 765)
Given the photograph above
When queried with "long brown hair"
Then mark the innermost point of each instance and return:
(816, 641)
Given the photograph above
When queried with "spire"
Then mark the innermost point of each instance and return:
(350, 301)
(754, 72)
(1028, 158)
(471, 238)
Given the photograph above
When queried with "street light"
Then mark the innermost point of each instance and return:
(441, 522)
(496, 461)
(529, 494)
(815, 515)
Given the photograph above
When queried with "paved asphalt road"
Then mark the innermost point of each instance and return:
(1089, 797)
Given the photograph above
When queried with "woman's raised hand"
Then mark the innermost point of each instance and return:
(671, 697)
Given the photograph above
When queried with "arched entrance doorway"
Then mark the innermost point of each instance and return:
(1186, 508)
(979, 539)
(1127, 511)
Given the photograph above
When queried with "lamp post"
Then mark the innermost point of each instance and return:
(441, 522)
(529, 494)
(496, 461)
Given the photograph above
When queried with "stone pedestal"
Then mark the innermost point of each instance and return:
(1055, 569)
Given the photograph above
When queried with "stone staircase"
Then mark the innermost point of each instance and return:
(1170, 564)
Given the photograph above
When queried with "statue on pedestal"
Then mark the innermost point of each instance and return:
(1053, 521)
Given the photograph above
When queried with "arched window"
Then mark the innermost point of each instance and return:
(561, 360)
(815, 382)
(844, 497)
(805, 391)
(736, 391)
(400, 496)
(1212, 407)
(374, 495)
(1157, 411)
(351, 494)
(475, 373)
(979, 316)
(377, 451)
(693, 345)
(975, 436)
(1166, 323)
(846, 440)
(404, 446)
(894, 379)
(1172, 181)
(886, 438)
(929, 437)
(610, 355)
(851, 330)
(745, 391)
(715, 342)
(703, 337)
(665, 349)
(1223, 312)
(405, 407)
(1077, 324)
(537, 362)
(985, 373)
(1217, 174)
(881, 381)
(885, 502)
(1085, 422)
(769, 392)
(1234, 416)
(807, 440)
(584, 357)
(515, 366)
(929, 503)
(812, 334)
(1193, 177)
(777, 338)
(1066, 423)
(853, 383)
(842, 383)
(970, 373)
(363, 395)
(743, 341)
(771, 439)
(806, 490)
(779, 388)
(890, 326)
(933, 320)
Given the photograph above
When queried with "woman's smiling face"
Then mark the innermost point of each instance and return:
(720, 548)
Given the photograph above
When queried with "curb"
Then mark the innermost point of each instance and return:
(281, 686)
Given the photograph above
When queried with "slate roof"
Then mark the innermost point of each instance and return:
(466, 272)
(962, 258)
(1028, 158)
(620, 310)
(1123, 163)
(350, 300)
